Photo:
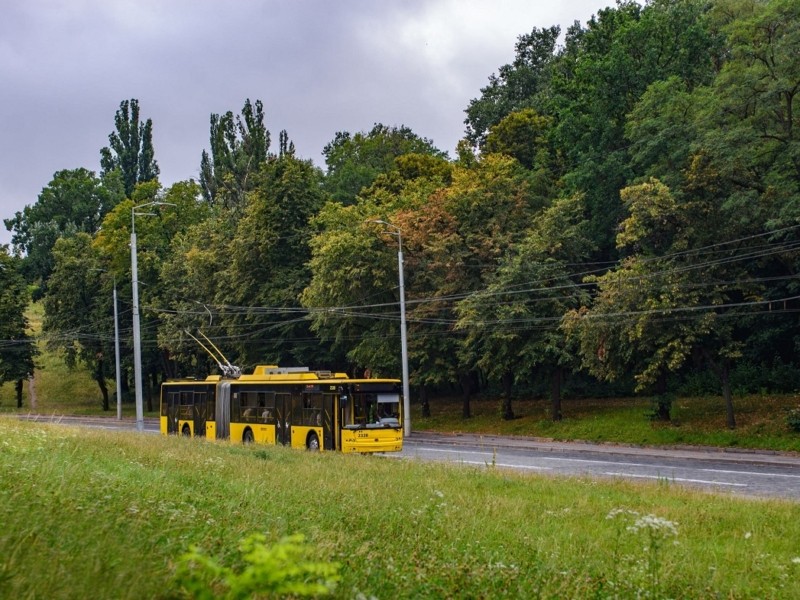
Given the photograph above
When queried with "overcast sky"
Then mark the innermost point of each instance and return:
(319, 66)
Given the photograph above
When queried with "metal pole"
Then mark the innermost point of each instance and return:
(137, 342)
(403, 335)
(116, 354)
(404, 341)
(137, 338)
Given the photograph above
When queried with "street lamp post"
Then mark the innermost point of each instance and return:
(403, 340)
(116, 349)
(116, 353)
(137, 341)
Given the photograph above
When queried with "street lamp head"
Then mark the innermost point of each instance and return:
(397, 231)
(154, 203)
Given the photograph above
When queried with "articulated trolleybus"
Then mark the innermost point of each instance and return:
(294, 406)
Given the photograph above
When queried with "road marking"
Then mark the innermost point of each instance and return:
(704, 481)
(627, 464)
(458, 451)
(487, 464)
(750, 473)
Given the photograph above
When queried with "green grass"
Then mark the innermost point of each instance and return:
(60, 389)
(761, 421)
(87, 513)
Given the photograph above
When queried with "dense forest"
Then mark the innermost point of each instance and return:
(621, 216)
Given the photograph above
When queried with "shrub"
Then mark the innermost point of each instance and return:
(793, 419)
(279, 570)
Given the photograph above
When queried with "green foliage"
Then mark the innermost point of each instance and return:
(793, 419)
(516, 86)
(515, 321)
(523, 134)
(275, 571)
(75, 201)
(268, 263)
(131, 150)
(17, 349)
(239, 146)
(75, 316)
(354, 161)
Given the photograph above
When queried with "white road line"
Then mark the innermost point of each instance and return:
(627, 464)
(704, 481)
(486, 464)
(728, 472)
(457, 451)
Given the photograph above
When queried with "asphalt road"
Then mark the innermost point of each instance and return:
(750, 473)
(763, 474)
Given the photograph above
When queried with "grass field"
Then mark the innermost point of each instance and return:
(94, 514)
(761, 421)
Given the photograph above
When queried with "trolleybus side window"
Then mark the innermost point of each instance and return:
(248, 401)
(266, 407)
(186, 405)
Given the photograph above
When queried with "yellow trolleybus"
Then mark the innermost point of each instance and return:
(296, 407)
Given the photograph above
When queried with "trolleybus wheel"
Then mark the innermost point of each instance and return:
(186, 430)
(247, 437)
(313, 442)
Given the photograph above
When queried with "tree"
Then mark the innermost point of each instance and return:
(454, 241)
(513, 325)
(155, 232)
(355, 161)
(74, 201)
(353, 294)
(191, 284)
(74, 320)
(268, 263)
(239, 146)
(130, 149)
(684, 291)
(517, 85)
(17, 347)
(522, 134)
(602, 72)
(728, 146)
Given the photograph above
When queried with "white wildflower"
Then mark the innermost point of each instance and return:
(655, 524)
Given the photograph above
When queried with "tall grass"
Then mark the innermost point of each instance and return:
(102, 515)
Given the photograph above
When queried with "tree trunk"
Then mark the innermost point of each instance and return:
(555, 394)
(18, 389)
(466, 390)
(100, 378)
(662, 403)
(508, 382)
(153, 384)
(426, 405)
(730, 419)
(723, 371)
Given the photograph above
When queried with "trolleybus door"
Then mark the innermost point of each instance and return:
(283, 424)
(328, 414)
(200, 414)
(173, 403)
